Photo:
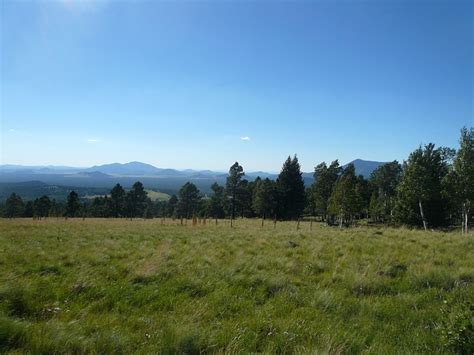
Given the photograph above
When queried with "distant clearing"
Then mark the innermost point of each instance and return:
(153, 195)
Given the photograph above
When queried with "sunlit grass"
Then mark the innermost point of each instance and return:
(118, 285)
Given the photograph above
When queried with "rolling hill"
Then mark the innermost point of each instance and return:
(57, 181)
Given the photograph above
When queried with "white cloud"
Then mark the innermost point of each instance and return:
(245, 138)
(93, 140)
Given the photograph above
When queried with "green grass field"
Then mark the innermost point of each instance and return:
(140, 286)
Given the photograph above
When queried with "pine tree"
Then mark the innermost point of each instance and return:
(117, 201)
(42, 206)
(189, 198)
(236, 172)
(244, 198)
(29, 209)
(171, 206)
(14, 206)
(291, 190)
(73, 204)
(216, 203)
(136, 200)
(265, 198)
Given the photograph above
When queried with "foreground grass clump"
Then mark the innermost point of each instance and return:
(124, 286)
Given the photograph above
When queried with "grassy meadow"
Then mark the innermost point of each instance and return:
(88, 286)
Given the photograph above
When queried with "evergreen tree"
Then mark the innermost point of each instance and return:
(14, 206)
(29, 209)
(236, 172)
(291, 190)
(324, 180)
(42, 206)
(265, 198)
(136, 200)
(244, 198)
(100, 207)
(171, 207)
(117, 201)
(216, 202)
(420, 192)
(73, 205)
(57, 208)
(189, 198)
(149, 212)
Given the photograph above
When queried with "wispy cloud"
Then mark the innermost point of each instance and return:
(19, 133)
(245, 138)
(93, 140)
(80, 7)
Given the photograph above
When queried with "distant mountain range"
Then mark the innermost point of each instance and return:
(100, 177)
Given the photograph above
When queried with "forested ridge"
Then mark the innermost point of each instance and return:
(433, 188)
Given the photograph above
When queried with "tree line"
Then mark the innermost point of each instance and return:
(433, 188)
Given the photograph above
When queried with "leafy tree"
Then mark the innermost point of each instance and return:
(216, 202)
(384, 181)
(362, 190)
(42, 206)
(236, 172)
(189, 198)
(344, 202)
(420, 192)
(117, 201)
(136, 200)
(291, 190)
(376, 207)
(265, 198)
(324, 180)
(73, 205)
(464, 174)
(14, 206)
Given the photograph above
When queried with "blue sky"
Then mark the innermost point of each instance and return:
(202, 84)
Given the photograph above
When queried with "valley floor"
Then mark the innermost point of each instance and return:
(142, 286)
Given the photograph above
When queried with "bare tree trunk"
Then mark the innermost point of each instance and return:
(340, 220)
(263, 219)
(466, 217)
(422, 215)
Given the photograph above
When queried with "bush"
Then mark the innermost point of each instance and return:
(457, 330)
